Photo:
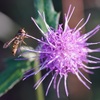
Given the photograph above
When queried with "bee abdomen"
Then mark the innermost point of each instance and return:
(15, 47)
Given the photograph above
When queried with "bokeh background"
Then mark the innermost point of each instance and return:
(15, 14)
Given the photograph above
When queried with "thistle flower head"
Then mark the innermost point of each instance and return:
(64, 51)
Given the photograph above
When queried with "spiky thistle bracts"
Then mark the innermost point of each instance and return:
(64, 51)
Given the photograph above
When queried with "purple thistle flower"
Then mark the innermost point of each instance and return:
(65, 51)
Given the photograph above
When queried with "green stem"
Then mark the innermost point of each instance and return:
(39, 90)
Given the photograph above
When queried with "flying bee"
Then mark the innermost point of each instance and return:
(17, 40)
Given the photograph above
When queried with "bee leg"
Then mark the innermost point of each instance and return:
(24, 43)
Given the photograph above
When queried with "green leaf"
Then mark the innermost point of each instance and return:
(12, 74)
(52, 17)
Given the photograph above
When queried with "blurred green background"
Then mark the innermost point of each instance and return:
(17, 13)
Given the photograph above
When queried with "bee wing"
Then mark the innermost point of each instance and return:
(8, 43)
